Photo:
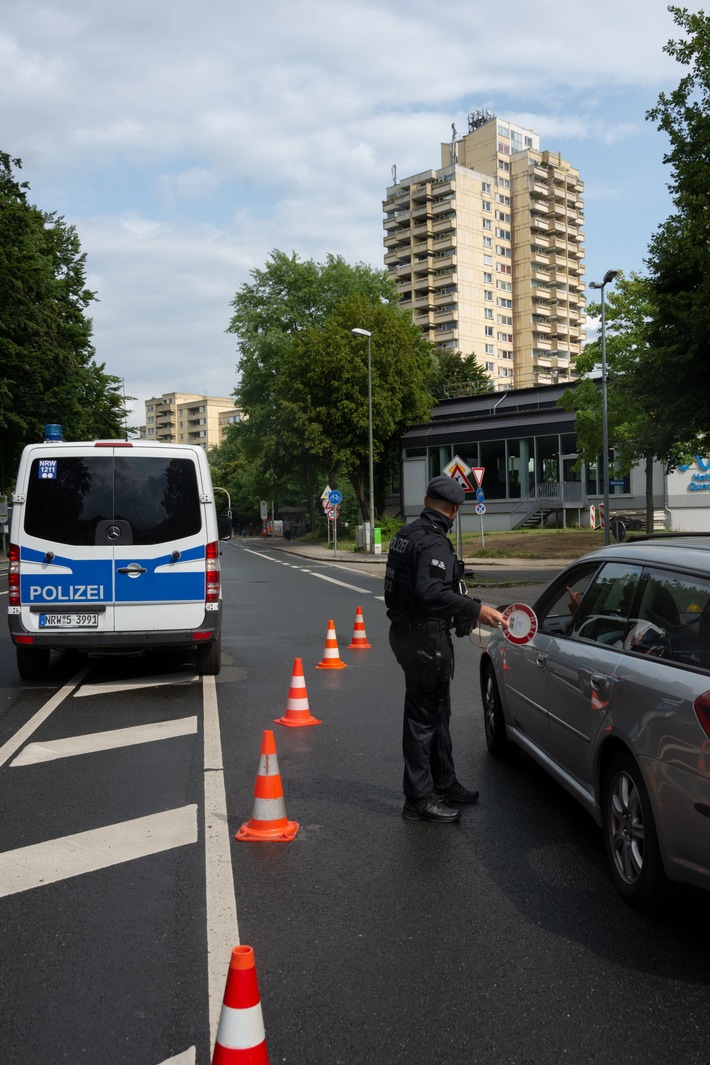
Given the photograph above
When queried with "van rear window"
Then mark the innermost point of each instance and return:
(158, 496)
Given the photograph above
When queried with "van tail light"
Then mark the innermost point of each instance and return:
(702, 712)
(212, 574)
(14, 575)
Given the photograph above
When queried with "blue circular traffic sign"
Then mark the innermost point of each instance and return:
(335, 496)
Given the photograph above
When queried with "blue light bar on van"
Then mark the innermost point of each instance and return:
(53, 434)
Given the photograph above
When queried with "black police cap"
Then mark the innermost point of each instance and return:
(446, 488)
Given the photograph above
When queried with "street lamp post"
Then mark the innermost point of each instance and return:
(608, 278)
(368, 334)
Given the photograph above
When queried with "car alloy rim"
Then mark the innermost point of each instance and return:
(626, 830)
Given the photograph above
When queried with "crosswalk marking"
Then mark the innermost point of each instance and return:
(16, 741)
(135, 682)
(188, 1057)
(104, 741)
(85, 852)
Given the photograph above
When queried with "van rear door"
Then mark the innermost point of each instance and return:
(158, 539)
(119, 530)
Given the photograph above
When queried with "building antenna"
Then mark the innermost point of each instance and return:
(394, 173)
(453, 145)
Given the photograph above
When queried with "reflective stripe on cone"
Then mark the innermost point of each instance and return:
(297, 709)
(331, 656)
(241, 1039)
(268, 819)
(359, 641)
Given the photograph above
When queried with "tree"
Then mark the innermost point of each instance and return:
(48, 370)
(677, 385)
(304, 380)
(458, 375)
(633, 427)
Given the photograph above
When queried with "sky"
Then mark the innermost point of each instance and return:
(185, 141)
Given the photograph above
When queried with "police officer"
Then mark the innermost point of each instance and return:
(425, 596)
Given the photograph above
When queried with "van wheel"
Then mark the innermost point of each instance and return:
(630, 835)
(209, 658)
(33, 662)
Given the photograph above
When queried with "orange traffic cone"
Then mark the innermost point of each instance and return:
(241, 1039)
(331, 656)
(268, 814)
(359, 642)
(297, 711)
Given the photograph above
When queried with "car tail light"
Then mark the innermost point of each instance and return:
(702, 712)
(212, 573)
(14, 575)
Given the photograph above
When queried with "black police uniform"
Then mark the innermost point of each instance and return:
(423, 600)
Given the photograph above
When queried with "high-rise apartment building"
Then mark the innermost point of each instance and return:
(186, 418)
(487, 252)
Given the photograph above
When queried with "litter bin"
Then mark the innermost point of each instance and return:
(378, 541)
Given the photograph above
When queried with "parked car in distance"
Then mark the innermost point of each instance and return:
(611, 696)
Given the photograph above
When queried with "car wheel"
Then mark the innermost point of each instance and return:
(498, 742)
(33, 662)
(209, 658)
(630, 835)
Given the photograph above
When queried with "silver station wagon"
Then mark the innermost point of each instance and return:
(611, 696)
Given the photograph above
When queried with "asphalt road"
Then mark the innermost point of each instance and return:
(378, 941)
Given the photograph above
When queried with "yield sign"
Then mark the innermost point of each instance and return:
(478, 472)
(459, 471)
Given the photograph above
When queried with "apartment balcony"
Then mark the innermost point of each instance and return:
(444, 261)
(443, 224)
(448, 296)
(448, 332)
(441, 280)
(425, 319)
(396, 241)
(423, 229)
(421, 268)
(540, 325)
(421, 252)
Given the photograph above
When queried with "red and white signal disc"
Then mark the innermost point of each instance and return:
(522, 623)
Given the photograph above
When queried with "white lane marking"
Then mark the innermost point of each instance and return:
(353, 587)
(135, 682)
(380, 597)
(99, 848)
(322, 576)
(222, 924)
(188, 1057)
(105, 741)
(16, 741)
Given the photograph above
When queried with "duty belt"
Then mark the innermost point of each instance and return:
(417, 622)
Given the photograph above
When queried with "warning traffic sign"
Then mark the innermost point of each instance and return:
(459, 471)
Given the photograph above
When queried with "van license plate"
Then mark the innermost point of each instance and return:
(68, 621)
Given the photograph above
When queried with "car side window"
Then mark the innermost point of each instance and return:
(672, 618)
(603, 613)
(558, 608)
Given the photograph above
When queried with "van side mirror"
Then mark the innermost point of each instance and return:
(224, 526)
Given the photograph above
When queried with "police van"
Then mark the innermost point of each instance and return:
(114, 547)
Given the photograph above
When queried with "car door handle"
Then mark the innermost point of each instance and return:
(599, 681)
(541, 661)
(133, 570)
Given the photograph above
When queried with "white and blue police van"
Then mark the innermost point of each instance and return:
(114, 547)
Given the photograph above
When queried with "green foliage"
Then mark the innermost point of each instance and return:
(677, 383)
(458, 375)
(304, 376)
(48, 370)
